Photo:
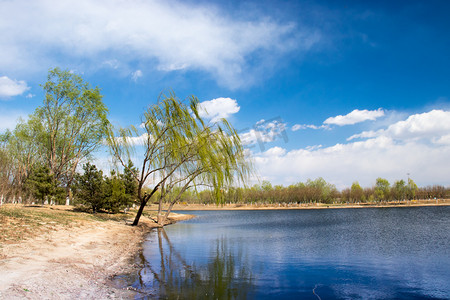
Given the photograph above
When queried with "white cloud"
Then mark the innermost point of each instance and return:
(356, 116)
(136, 75)
(173, 35)
(298, 127)
(134, 140)
(172, 67)
(275, 152)
(419, 145)
(139, 140)
(365, 134)
(305, 126)
(254, 136)
(264, 132)
(218, 108)
(430, 126)
(425, 125)
(444, 140)
(112, 63)
(10, 88)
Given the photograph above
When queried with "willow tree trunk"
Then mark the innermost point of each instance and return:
(139, 213)
(166, 215)
(144, 201)
(161, 219)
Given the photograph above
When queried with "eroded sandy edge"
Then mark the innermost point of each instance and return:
(72, 263)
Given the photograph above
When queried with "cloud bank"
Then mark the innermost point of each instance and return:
(167, 35)
(431, 126)
(419, 145)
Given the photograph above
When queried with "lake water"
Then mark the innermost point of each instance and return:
(370, 253)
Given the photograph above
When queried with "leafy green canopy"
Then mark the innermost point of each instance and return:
(181, 150)
(73, 120)
(68, 126)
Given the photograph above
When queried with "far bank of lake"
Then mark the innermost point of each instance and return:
(372, 253)
(276, 206)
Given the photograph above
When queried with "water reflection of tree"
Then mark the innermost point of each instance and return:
(225, 276)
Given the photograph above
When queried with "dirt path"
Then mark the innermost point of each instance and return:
(70, 263)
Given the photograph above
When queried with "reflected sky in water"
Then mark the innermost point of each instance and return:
(371, 253)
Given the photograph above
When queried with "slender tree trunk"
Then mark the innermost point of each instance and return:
(169, 209)
(160, 218)
(139, 213)
(144, 201)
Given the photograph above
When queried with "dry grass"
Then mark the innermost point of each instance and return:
(19, 222)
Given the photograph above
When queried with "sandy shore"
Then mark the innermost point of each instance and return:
(72, 263)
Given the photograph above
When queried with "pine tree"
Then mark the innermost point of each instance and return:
(130, 182)
(115, 193)
(41, 183)
(90, 187)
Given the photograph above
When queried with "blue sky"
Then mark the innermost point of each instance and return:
(346, 90)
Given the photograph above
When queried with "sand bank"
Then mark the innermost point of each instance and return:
(72, 263)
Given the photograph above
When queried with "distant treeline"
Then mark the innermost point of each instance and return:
(319, 191)
(41, 158)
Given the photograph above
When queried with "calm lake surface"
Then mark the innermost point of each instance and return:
(370, 253)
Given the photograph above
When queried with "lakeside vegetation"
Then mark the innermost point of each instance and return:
(47, 159)
(40, 159)
(320, 191)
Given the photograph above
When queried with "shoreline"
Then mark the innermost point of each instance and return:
(227, 206)
(70, 263)
(74, 261)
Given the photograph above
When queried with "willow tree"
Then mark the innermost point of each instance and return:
(180, 151)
